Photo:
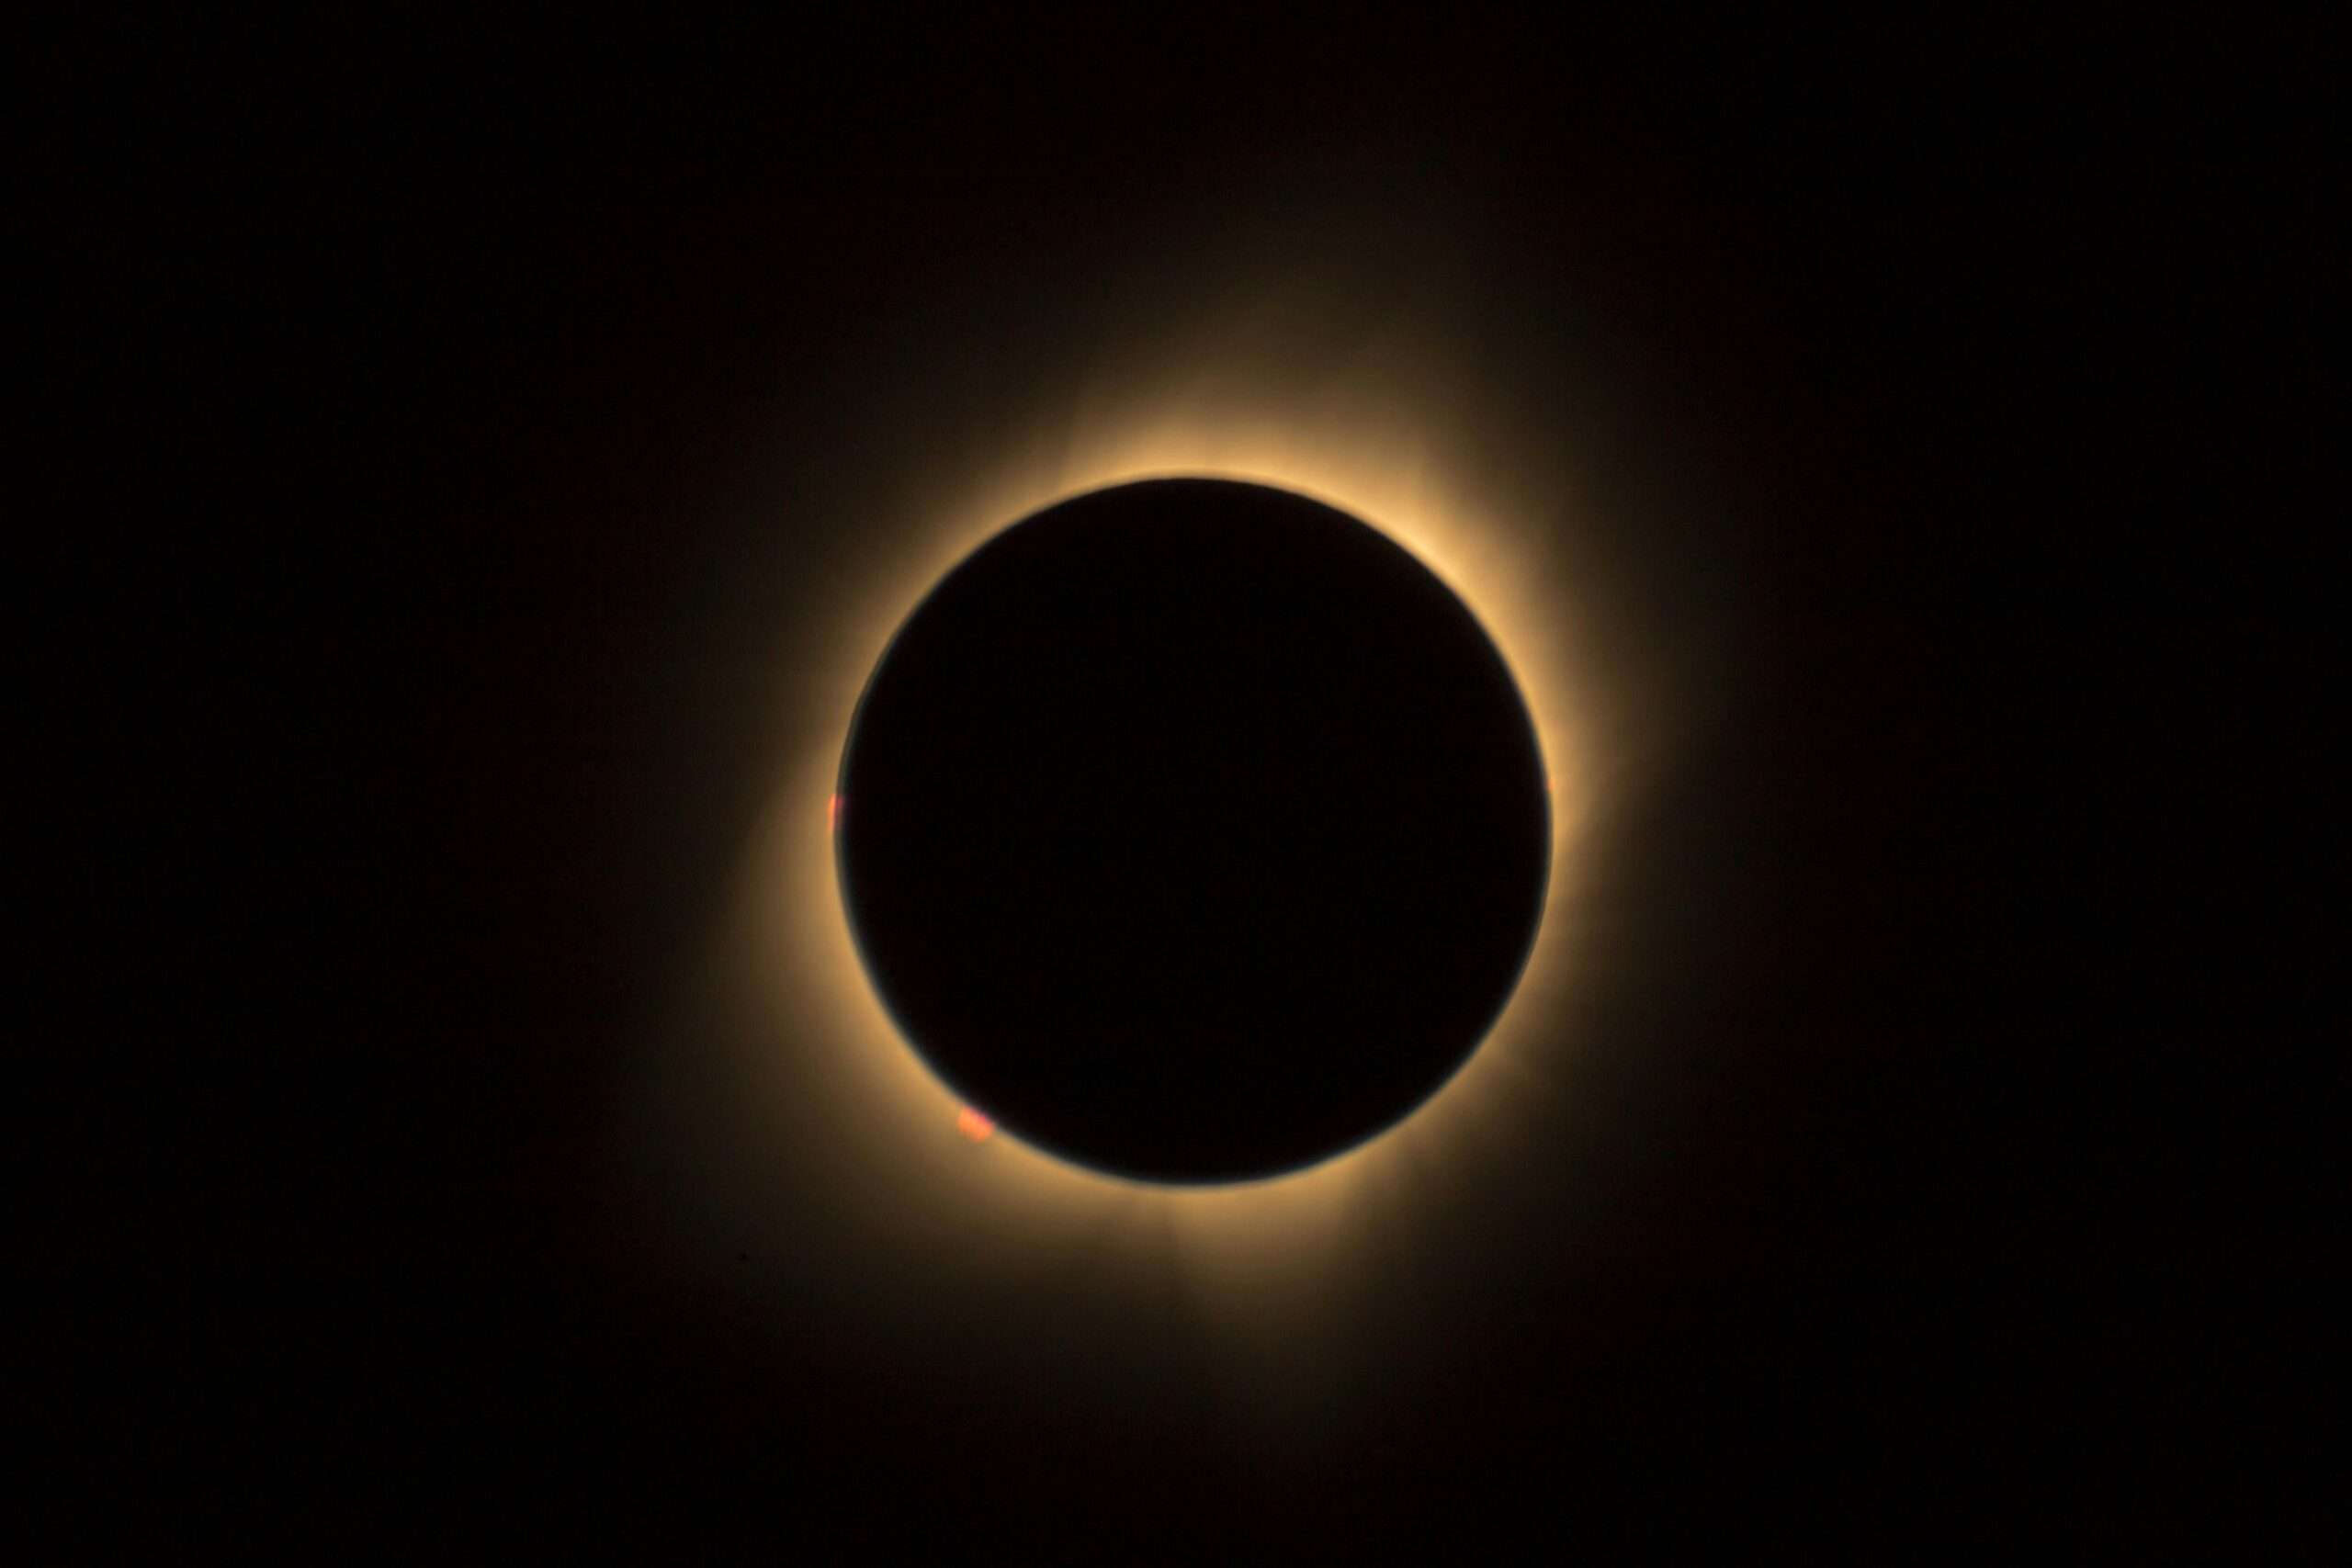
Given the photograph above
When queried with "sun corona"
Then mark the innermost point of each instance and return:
(1401, 443)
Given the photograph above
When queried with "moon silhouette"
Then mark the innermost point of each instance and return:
(1193, 831)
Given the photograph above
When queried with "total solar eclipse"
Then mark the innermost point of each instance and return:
(1192, 831)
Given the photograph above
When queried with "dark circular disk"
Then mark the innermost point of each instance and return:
(1192, 831)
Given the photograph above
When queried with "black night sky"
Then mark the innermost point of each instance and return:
(461, 423)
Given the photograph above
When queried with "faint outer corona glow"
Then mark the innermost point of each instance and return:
(1395, 438)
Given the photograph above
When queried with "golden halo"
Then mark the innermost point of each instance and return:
(1393, 437)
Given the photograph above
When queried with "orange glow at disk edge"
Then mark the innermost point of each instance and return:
(1391, 444)
(973, 1125)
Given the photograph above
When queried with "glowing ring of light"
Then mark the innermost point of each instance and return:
(1375, 450)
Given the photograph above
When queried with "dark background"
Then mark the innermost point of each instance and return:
(401, 389)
